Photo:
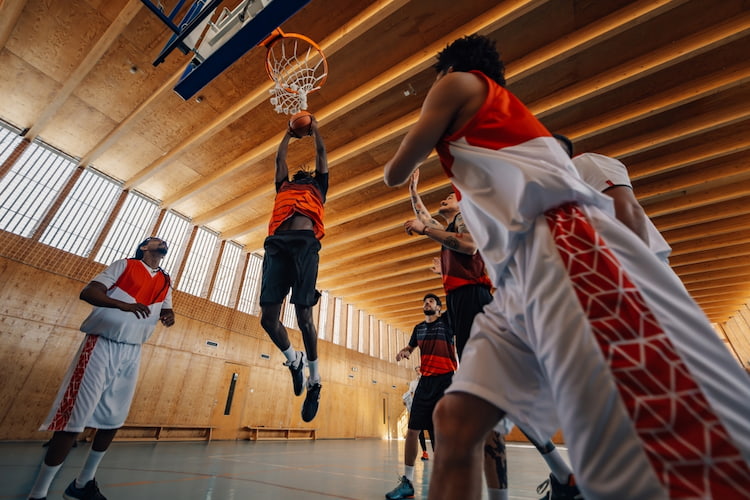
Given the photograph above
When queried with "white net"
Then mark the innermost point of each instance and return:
(297, 68)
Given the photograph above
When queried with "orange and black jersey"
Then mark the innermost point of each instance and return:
(436, 347)
(306, 197)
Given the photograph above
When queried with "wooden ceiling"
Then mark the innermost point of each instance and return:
(662, 85)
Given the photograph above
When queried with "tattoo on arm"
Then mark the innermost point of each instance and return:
(451, 242)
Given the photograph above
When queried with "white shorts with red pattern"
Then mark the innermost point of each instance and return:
(98, 388)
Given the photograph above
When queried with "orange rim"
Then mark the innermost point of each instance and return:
(277, 35)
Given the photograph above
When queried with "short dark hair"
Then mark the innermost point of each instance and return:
(474, 52)
(301, 174)
(433, 296)
(568, 144)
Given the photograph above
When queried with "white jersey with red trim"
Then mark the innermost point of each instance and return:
(603, 172)
(587, 326)
(524, 164)
(125, 326)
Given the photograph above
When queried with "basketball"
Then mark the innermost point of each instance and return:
(300, 124)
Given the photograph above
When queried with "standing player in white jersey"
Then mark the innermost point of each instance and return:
(610, 176)
(129, 297)
(589, 330)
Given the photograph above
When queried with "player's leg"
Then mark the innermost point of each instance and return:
(304, 297)
(496, 466)
(462, 422)
(79, 396)
(423, 444)
(276, 280)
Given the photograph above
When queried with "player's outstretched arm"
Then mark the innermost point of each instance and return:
(439, 110)
(321, 157)
(420, 210)
(282, 169)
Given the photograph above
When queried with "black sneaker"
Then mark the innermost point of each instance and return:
(90, 491)
(310, 406)
(404, 490)
(298, 372)
(559, 491)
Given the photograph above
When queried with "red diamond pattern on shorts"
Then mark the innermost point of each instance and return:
(688, 447)
(65, 408)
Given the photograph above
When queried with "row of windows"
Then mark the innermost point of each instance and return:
(200, 263)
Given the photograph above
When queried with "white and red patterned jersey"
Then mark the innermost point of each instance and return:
(129, 280)
(603, 172)
(505, 146)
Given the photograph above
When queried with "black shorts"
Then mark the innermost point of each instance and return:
(463, 304)
(428, 393)
(291, 261)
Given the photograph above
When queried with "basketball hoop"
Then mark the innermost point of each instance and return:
(297, 66)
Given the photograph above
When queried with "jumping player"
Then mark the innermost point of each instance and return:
(291, 261)
(588, 325)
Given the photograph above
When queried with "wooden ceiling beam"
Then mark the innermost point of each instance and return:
(740, 236)
(423, 277)
(492, 19)
(737, 263)
(709, 284)
(656, 60)
(10, 13)
(722, 171)
(634, 112)
(690, 217)
(330, 46)
(712, 120)
(715, 274)
(721, 292)
(690, 199)
(705, 229)
(94, 55)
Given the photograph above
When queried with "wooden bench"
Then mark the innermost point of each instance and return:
(159, 432)
(258, 433)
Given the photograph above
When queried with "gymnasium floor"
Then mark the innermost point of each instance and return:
(248, 470)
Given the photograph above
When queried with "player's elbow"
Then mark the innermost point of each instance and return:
(392, 178)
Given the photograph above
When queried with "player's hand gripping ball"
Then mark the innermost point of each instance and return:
(300, 124)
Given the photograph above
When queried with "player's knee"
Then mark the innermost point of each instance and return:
(452, 422)
(268, 320)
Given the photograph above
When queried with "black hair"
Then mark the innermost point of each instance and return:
(474, 52)
(138, 251)
(433, 296)
(566, 143)
(301, 174)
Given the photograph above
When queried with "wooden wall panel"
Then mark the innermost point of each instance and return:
(180, 374)
(737, 331)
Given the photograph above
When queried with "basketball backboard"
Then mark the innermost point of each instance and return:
(230, 35)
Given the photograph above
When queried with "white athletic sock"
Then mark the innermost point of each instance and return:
(290, 354)
(314, 374)
(557, 465)
(409, 472)
(88, 472)
(497, 494)
(43, 480)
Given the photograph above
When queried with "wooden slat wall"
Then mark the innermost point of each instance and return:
(180, 375)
